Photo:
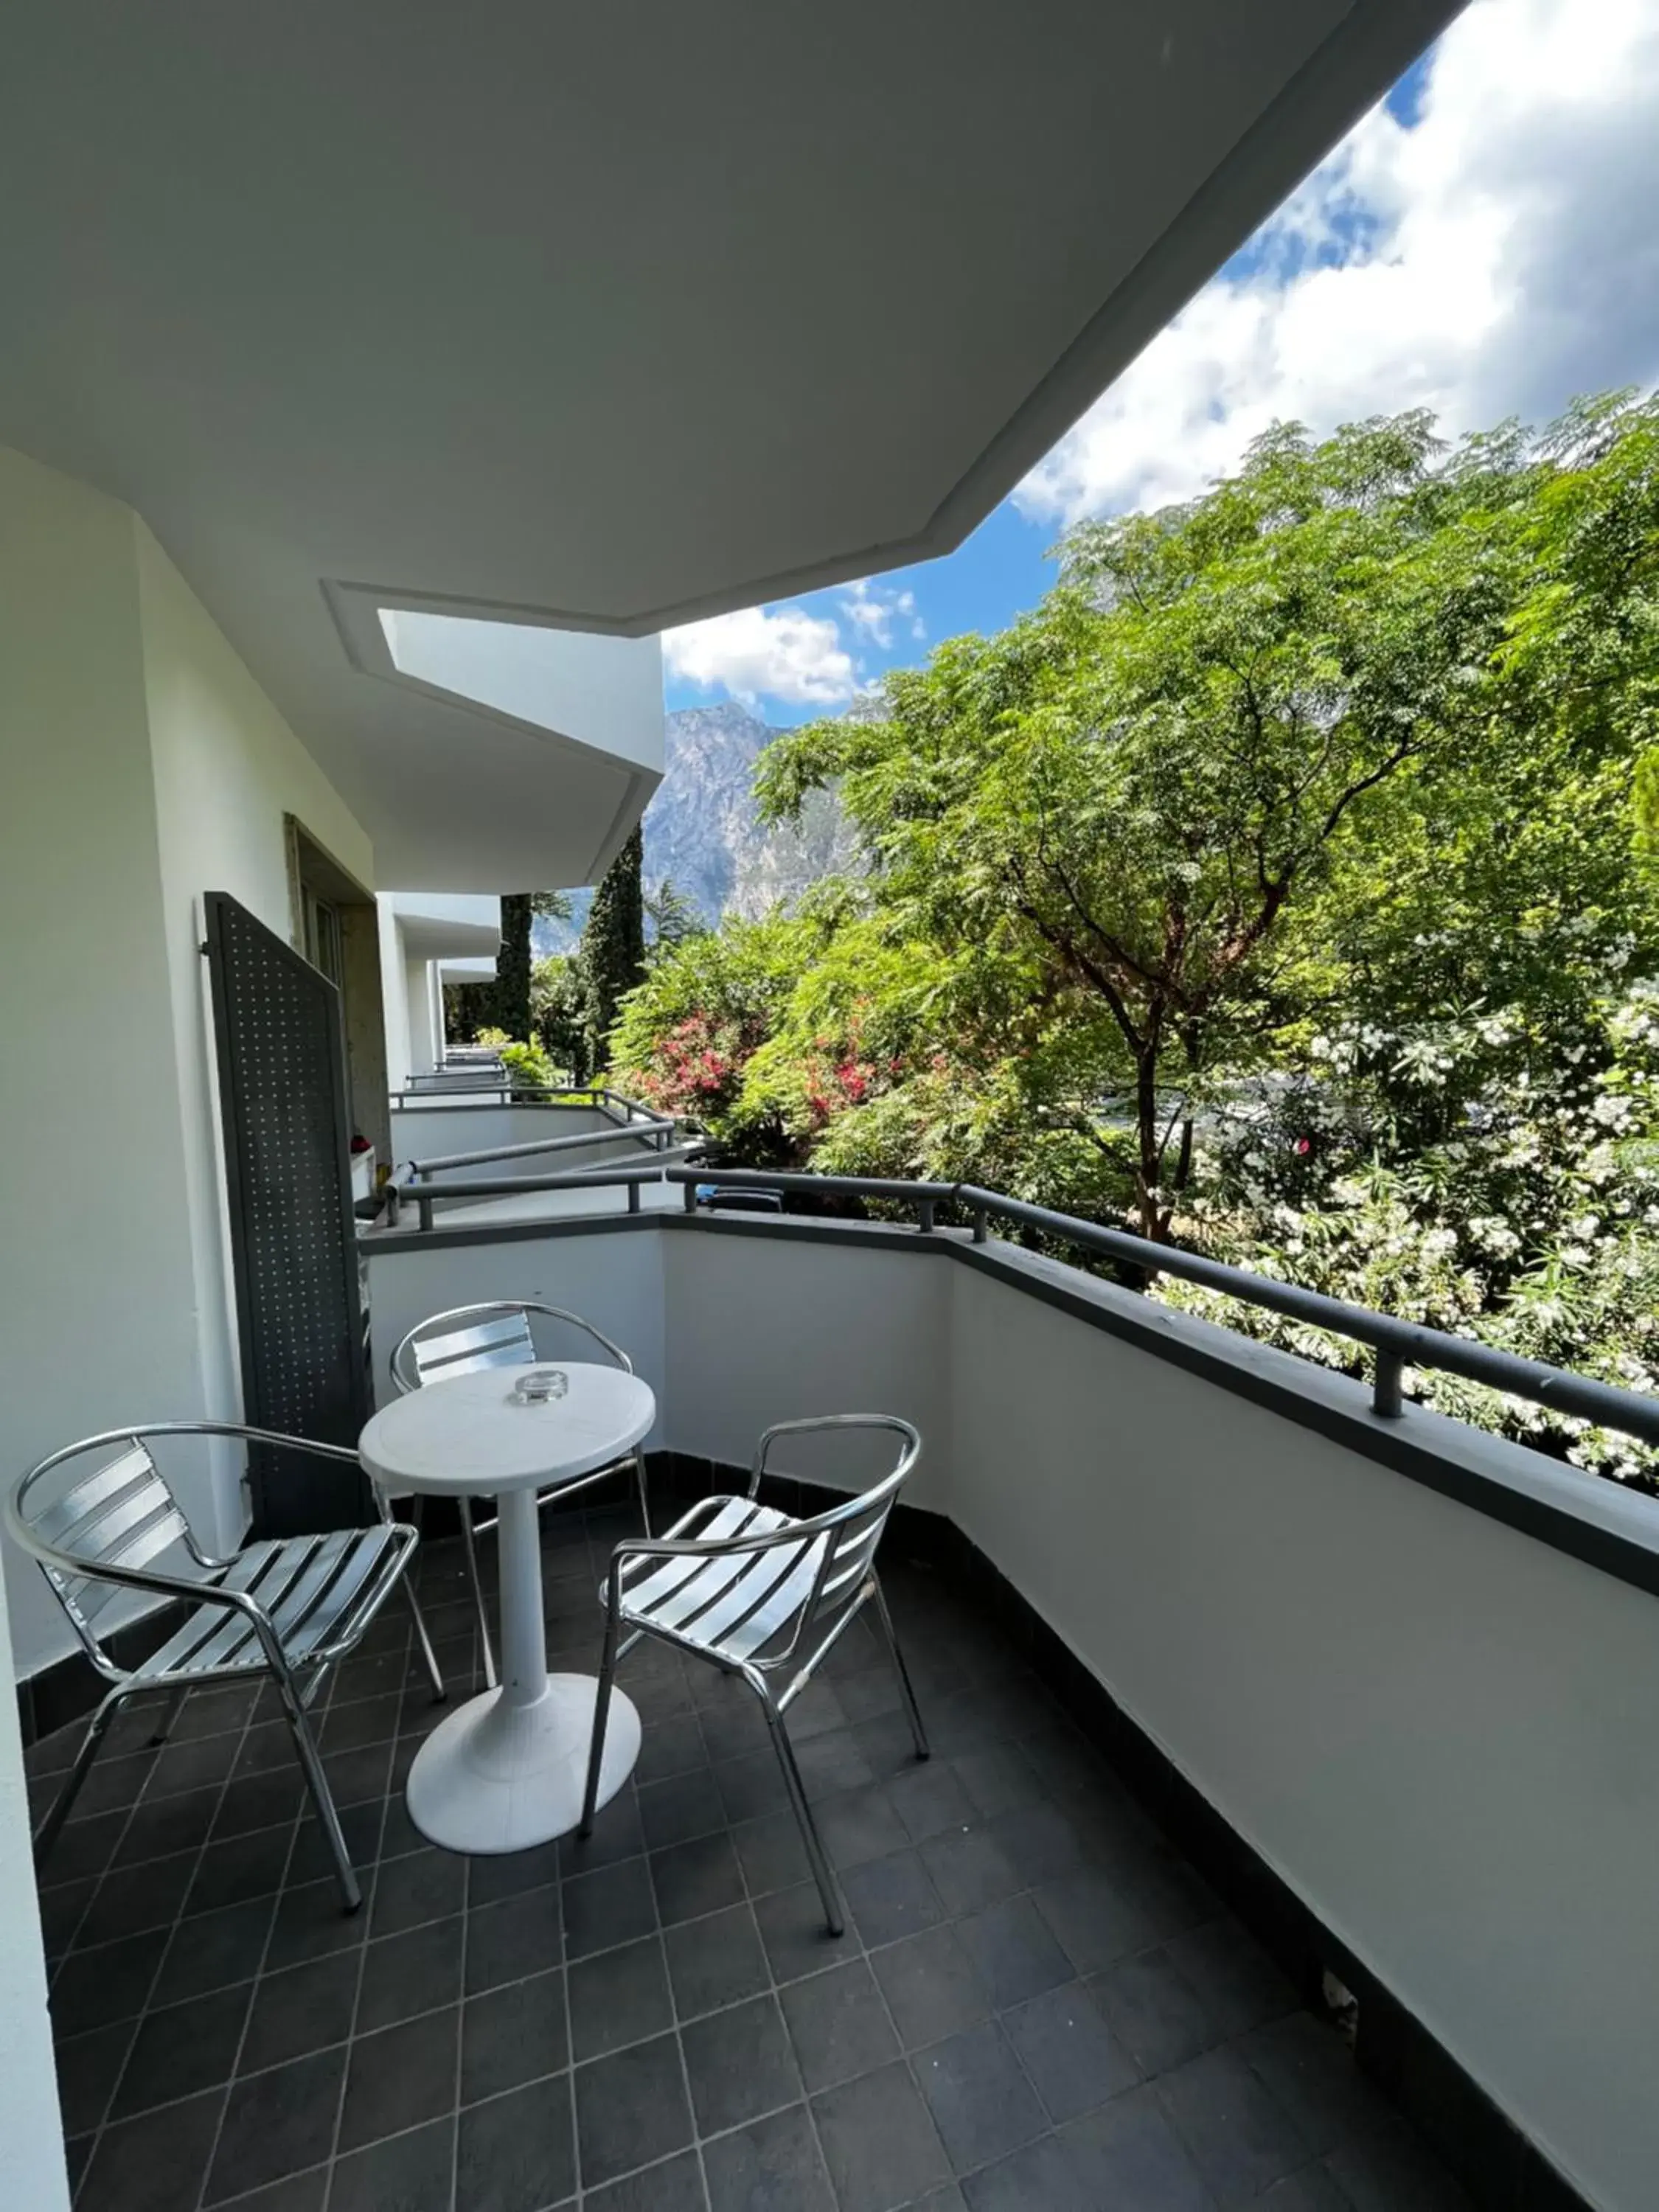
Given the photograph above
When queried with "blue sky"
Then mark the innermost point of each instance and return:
(1480, 245)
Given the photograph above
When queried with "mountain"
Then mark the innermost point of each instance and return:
(701, 832)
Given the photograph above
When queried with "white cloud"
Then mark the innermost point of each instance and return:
(775, 653)
(1496, 259)
(874, 610)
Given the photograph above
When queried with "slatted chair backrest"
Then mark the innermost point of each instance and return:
(843, 1541)
(469, 1337)
(117, 1513)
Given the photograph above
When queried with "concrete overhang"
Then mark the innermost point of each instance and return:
(599, 319)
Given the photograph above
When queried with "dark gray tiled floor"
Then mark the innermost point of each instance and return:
(1035, 2004)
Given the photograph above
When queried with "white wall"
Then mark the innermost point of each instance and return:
(616, 1281)
(602, 691)
(31, 2132)
(1438, 1730)
(95, 1305)
(227, 770)
(98, 1320)
(764, 1328)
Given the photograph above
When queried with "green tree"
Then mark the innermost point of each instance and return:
(670, 918)
(613, 945)
(1125, 804)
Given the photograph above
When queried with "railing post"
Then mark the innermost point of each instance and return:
(925, 1215)
(982, 1224)
(690, 1190)
(424, 1204)
(1387, 1387)
(633, 1197)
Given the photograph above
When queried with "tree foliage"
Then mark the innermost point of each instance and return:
(1288, 880)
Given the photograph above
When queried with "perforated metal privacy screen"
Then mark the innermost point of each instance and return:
(282, 1106)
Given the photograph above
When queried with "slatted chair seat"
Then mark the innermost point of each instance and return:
(764, 1596)
(309, 1586)
(100, 1517)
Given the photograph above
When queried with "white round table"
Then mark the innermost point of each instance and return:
(507, 1769)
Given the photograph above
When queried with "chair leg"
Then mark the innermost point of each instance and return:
(912, 1710)
(164, 1726)
(601, 1719)
(470, 1546)
(440, 1688)
(322, 1797)
(645, 1495)
(64, 1803)
(829, 1890)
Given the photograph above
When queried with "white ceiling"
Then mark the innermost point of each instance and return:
(606, 313)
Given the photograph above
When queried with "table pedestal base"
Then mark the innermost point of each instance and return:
(498, 1776)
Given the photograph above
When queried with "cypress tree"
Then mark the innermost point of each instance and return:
(613, 944)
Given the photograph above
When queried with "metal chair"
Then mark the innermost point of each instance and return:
(291, 1607)
(498, 1334)
(747, 1588)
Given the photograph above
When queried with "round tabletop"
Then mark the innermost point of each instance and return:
(467, 1435)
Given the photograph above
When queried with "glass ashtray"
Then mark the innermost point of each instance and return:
(537, 1384)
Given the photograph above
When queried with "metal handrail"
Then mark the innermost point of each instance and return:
(1396, 1344)
(656, 1127)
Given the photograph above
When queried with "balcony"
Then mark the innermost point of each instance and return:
(1037, 1995)
(1291, 1798)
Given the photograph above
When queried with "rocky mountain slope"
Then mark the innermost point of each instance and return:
(701, 832)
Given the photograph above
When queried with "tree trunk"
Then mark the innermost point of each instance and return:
(512, 986)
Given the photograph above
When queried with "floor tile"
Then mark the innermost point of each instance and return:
(94, 1988)
(619, 1998)
(771, 1852)
(674, 1811)
(879, 2140)
(513, 2035)
(797, 1939)
(715, 1961)
(1381, 2171)
(301, 2009)
(740, 2064)
(1238, 1981)
(424, 1886)
(409, 2172)
(1311, 2074)
(631, 2110)
(771, 2166)
(310, 1923)
(414, 1973)
(182, 2048)
(1154, 2013)
(1042, 2177)
(506, 1941)
(1014, 1951)
(276, 2124)
(697, 1877)
(240, 1869)
(861, 1824)
(931, 1801)
(839, 2025)
(1240, 2138)
(617, 1834)
(308, 2192)
(154, 2163)
(155, 1830)
(1128, 2153)
(1311, 2190)
(969, 1869)
(932, 1986)
(976, 2090)
(891, 1898)
(613, 1905)
(132, 1900)
(398, 2077)
(88, 2067)
(1072, 2057)
(517, 2153)
(997, 1778)
(489, 1881)
(1095, 1922)
(676, 2185)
